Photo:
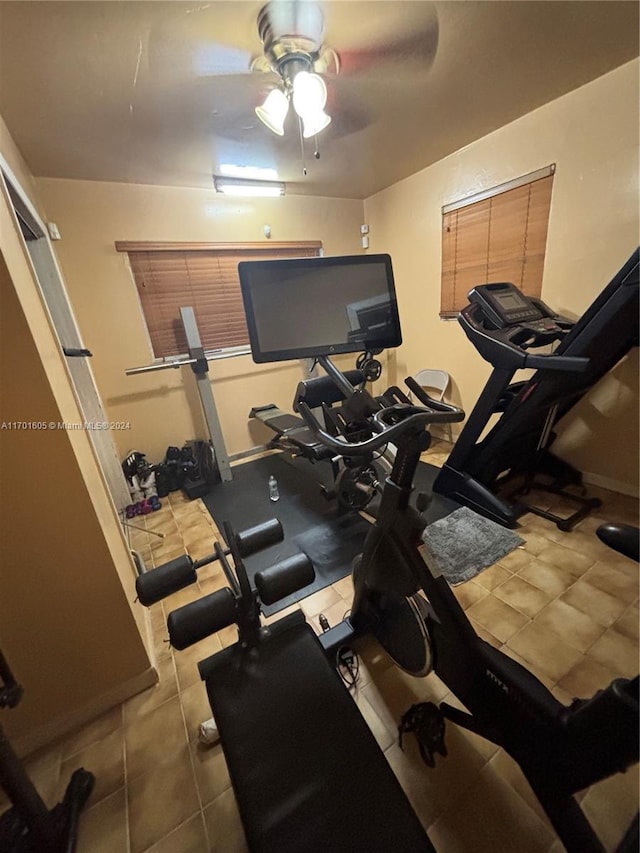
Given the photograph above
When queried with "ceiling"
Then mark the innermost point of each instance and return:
(160, 92)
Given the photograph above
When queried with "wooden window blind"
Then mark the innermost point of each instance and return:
(500, 238)
(169, 276)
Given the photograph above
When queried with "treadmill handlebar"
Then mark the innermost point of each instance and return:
(507, 348)
(568, 363)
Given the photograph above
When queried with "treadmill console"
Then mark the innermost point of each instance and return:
(504, 305)
(504, 323)
(528, 321)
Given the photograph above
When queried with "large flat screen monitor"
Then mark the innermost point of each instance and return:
(305, 307)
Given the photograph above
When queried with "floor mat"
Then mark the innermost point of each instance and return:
(311, 523)
(464, 543)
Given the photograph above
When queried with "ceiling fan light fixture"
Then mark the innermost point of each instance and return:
(274, 111)
(241, 187)
(309, 98)
(309, 93)
(313, 124)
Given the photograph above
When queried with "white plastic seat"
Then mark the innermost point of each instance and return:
(435, 380)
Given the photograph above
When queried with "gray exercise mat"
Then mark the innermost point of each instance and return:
(464, 543)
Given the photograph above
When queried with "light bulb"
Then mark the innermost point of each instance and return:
(313, 124)
(274, 111)
(309, 98)
(309, 93)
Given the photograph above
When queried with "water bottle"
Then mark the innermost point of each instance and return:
(274, 494)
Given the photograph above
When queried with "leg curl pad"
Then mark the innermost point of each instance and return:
(284, 578)
(156, 584)
(193, 622)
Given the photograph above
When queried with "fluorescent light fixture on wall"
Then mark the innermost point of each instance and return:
(242, 187)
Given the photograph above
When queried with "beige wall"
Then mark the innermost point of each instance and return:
(163, 408)
(592, 136)
(67, 625)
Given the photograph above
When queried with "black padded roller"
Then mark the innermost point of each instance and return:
(322, 389)
(193, 622)
(285, 577)
(261, 536)
(156, 584)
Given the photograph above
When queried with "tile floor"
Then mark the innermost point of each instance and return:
(563, 605)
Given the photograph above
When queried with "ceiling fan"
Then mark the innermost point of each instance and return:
(291, 34)
(369, 46)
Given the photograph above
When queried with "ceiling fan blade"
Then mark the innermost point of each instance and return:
(416, 51)
(201, 42)
(197, 60)
(213, 60)
(348, 110)
(404, 35)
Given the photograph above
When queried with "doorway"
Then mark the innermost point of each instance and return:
(52, 288)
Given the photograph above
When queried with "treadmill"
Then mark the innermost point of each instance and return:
(507, 327)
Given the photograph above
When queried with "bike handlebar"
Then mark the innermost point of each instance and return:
(434, 411)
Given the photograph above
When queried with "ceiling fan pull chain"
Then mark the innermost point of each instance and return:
(316, 152)
(304, 165)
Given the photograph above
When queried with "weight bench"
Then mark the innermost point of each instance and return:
(305, 767)
(306, 770)
(291, 431)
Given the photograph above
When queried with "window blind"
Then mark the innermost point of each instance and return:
(205, 277)
(500, 238)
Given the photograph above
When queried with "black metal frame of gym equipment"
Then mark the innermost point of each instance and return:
(199, 362)
(355, 482)
(29, 827)
(519, 442)
(561, 750)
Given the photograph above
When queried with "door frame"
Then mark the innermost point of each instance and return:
(46, 268)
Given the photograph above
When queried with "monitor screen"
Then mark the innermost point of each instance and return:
(305, 307)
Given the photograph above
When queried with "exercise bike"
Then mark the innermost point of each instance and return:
(410, 608)
(354, 482)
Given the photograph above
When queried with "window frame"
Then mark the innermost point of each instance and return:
(260, 247)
